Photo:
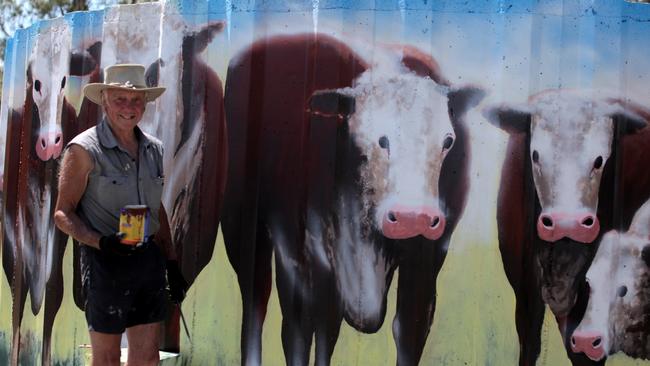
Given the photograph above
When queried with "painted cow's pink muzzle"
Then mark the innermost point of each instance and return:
(403, 222)
(49, 145)
(589, 343)
(553, 226)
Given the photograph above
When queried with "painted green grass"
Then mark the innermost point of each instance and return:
(473, 324)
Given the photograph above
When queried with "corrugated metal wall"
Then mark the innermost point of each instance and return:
(355, 182)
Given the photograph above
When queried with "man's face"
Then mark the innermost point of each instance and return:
(124, 107)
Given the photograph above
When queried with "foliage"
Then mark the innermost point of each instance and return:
(16, 14)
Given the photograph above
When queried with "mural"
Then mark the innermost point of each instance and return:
(392, 182)
(347, 197)
(568, 164)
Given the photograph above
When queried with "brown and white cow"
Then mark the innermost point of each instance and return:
(570, 172)
(33, 247)
(617, 318)
(347, 167)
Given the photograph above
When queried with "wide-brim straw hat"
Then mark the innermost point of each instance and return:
(125, 77)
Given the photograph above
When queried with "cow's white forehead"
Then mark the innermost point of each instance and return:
(52, 48)
(569, 114)
(398, 106)
(600, 270)
(617, 250)
(574, 132)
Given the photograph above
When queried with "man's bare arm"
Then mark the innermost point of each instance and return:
(73, 179)
(164, 236)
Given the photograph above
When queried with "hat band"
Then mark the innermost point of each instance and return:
(127, 84)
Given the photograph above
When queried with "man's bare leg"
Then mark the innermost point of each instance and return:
(106, 348)
(144, 341)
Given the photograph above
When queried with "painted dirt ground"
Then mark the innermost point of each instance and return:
(468, 60)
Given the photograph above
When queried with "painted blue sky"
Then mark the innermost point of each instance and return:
(514, 48)
(511, 48)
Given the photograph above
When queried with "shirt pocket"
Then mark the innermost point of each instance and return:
(155, 189)
(154, 163)
(115, 192)
(153, 195)
(109, 181)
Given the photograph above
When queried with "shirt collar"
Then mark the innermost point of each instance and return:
(107, 138)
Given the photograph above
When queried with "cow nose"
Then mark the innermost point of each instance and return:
(589, 343)
(403, 222)
(49, 145)
(581, 227)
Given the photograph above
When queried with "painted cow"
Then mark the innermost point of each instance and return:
(347, 167)
(196, 153)
(570, 173)
(617, 318)
(33, 247)
(188, 118)
(195, 161)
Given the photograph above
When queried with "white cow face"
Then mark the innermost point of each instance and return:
(571, 140)
(570, 143)
(48, 69)
(402, 128)
(617, 317)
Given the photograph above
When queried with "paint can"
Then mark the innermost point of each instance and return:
(134, 223)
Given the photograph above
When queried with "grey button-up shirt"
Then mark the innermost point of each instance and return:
(118, 180)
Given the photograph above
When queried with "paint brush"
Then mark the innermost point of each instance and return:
(187, 331)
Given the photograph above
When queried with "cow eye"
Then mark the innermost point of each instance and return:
(384, 143)
(449, 141)
(621, 291)
(598, 162)
(535, 156)
(63, 83)
(37, 86)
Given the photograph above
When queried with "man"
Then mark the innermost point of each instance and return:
(105, 168)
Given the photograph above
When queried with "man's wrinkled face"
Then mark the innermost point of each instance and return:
(124, 107)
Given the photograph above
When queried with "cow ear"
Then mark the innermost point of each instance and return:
(630, 116)
(512, 119)
(198, 41)
(152, 74)
(331, 103)
(463, 99)
(645, 254)
(95, 50)
(28, 75)
(422, 64)
(81, 64)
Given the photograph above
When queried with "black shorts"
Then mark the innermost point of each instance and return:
(122, 292)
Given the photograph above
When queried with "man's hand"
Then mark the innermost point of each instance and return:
(112, 244)
(177, 284)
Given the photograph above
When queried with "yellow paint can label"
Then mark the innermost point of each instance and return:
(134, 223)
